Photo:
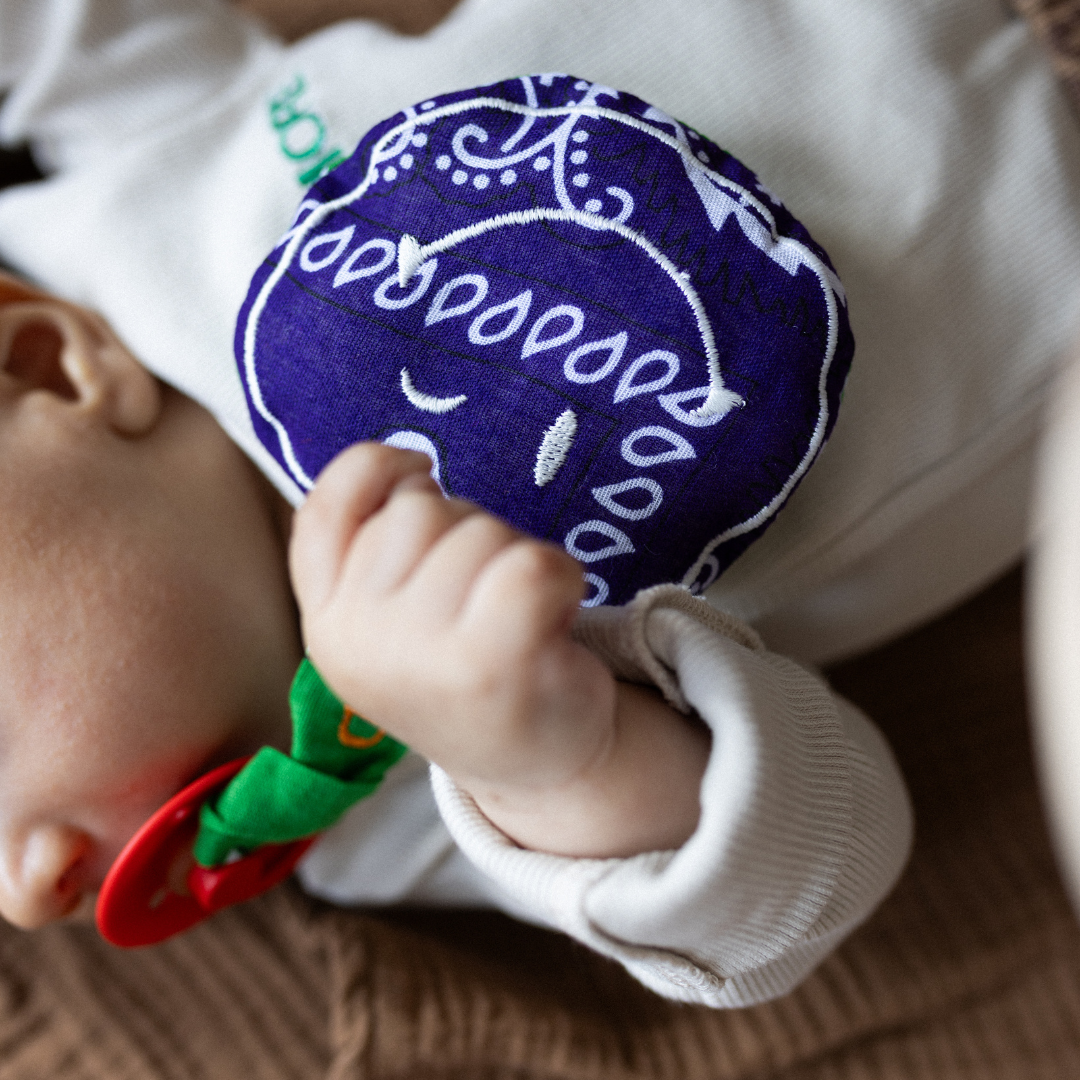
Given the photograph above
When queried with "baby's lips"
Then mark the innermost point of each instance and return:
(154, 890)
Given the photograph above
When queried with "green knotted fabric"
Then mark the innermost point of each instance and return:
(337, 759)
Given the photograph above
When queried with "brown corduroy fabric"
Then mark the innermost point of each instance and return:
(969, 971)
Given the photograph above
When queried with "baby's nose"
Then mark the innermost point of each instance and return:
(40, 877)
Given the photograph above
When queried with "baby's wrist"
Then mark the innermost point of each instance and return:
(639, 794)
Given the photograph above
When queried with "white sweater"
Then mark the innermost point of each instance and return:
(909, 138)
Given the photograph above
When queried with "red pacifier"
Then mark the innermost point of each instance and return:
(155, 889)
(246, 823)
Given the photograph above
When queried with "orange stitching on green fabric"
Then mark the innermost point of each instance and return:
(359, 742)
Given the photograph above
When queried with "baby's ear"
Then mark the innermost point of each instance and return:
(47, 344)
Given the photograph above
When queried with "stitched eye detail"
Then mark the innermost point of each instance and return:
(597, 320)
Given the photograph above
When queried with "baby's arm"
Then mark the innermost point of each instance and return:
(751, 866)
(452, 630)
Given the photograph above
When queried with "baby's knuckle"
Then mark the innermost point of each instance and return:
(359, 458)
(541, 561)
(374, 461)
(363, 462)
(423, 507)
(489, 530)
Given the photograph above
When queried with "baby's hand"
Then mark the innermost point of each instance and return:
(450, 629)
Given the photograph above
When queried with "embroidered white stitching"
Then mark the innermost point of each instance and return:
(554, 447)
(680, 448)
(605, 496)
(601, 587)
(720, 399)
(621, 544)
(426, 401)
(388, 303)
(523, 129)
(408, 259)
(386, 148)
(814, 446)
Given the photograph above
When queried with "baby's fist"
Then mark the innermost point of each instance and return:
(447, 627)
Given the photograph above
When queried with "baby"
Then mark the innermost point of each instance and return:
(576, 796)
(144, 550)
(191, 566)
(175, 547)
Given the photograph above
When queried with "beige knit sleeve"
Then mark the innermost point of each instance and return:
(805, 823)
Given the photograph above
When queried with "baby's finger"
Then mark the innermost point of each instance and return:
(400, 535)
(453, 564)
(527, 595)
(348, 491)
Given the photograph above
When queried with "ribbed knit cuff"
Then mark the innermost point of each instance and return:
(804, 823)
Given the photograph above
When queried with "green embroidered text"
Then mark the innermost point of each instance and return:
(302, 134)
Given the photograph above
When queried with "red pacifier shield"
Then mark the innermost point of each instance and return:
(155, 889)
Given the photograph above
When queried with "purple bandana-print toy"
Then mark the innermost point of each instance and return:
(595, 321)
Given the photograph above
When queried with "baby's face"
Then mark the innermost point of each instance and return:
(147, 630)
